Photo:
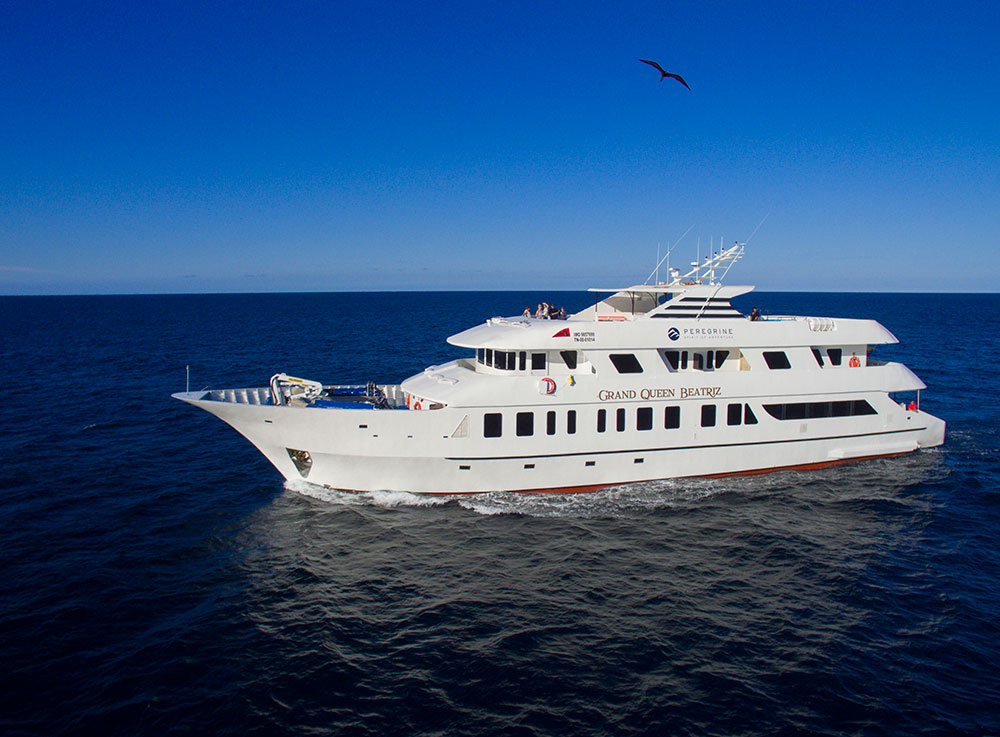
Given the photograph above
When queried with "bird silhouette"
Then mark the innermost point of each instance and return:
(664, 74)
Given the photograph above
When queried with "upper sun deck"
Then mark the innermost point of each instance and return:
(687, 311)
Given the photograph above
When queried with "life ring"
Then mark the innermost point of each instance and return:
(416, 405)
(855, 362)
(546, 386)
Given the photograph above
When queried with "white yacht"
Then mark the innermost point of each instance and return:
(653, 381)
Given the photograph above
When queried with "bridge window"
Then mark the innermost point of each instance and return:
(776, 360)
(626, 363)
(835, 354)
(672, 358)
(818, 356)
(537, 361)
(569, 358)
(521, 359)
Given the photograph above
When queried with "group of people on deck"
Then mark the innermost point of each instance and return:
(545, 311)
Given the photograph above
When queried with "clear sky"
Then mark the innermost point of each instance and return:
(325, 146)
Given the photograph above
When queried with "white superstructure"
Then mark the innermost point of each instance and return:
(653, 381)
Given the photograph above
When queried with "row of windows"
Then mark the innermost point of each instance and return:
(524, 423)
(737, 413)
(518, 360)
(678, 360)
(643, 419)
(627, 363)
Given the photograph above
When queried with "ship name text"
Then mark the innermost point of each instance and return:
(684, 392)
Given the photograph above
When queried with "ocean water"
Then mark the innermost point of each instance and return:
(158, 577)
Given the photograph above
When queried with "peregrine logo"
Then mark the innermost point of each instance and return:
(673, 333)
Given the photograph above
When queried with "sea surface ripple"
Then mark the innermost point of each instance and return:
(157, 576)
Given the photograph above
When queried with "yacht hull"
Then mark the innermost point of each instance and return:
(443, 451)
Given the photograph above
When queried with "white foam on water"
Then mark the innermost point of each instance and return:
(386, 499)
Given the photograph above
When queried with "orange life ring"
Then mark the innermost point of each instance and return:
(546, 386)
(416, 405)
(855, 362)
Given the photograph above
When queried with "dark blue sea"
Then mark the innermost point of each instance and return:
(158, 577)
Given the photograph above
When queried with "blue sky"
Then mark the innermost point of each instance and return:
(326, 146)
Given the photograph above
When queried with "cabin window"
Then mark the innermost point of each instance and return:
(489, 356)
(672, 358)
(550, 423)
(710, 360)
(620, 420)
(569, 358)
(571, 422)
(708, 415)
(525, 424)
(734, 414)
(684, 360)
(818, 356)
(671, 418)
(835, 355)
(699, 362)
(522, 358)
(776, 360)
(749, 418)
(644, 418)
(480, 353)
(815, 410)
(537, 361)
(626, 363)
(720, 358)
(602, 420)
(492, 425)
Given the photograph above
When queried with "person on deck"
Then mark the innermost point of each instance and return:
(754, 314)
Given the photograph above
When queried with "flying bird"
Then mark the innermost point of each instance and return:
(663, 74)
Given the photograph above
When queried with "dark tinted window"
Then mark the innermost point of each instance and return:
(602, 420)
(479, 355)
(537, 361)
(620, 419)
(813, 410)
(522, 359)
(550, 423)
(644, 418)
(720, 358)
(569, 358)
(708, 415)
(672, 358)
(734, 414)
(684, 360)
(671, 417)
(525, 423)
(626, 363)
(698, 360)
(571, 422)
(489, 356)
(749, 418)
(818, 356)
(776, 360)
(492, 425)
(835, 355)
